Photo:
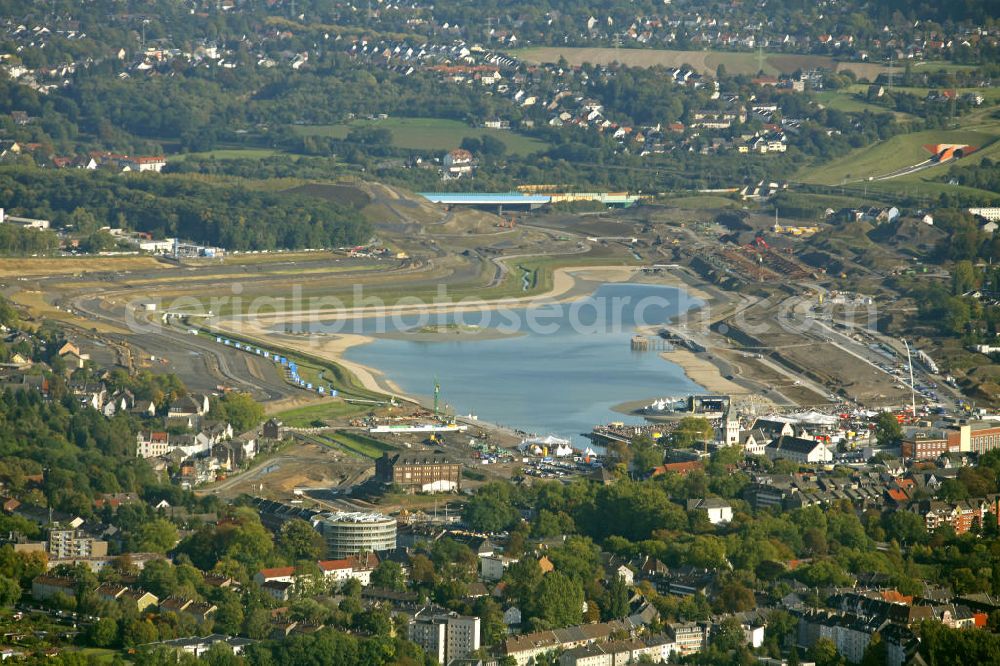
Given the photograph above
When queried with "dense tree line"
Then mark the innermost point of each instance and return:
(218, 213)
(238, 409)
(985, 175)
(197, 108)
(80, 451)
(935, 110)
(15, 240)
(578, 160)
(77, 451)
(956, 310)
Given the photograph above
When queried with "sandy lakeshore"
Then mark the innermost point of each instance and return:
(568, 284)
(370, 378)
(260, 329)
(703, 372)
(563, 282)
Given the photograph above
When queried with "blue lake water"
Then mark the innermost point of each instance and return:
(562, 374)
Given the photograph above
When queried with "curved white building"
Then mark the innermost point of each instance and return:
(351, 533)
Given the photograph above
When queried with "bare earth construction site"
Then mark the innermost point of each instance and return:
(164, 315)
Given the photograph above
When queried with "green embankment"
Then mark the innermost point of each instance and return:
(356, 443)
(312, 415)
(225, 154)
(430, 134)
(702, 61)
(896, 153)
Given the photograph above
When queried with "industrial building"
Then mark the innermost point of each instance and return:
(23, 222)
(419, 472)
(977, 437)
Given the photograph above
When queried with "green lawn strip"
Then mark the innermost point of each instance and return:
(990, 95)
(848, 102)
(427, 502)
(390, 295)
(101, 655)
(356, 443)
(896, 191)
(701, 202)
(927, 191)
(704, 61)
(812, 205)
(226, 154)
(473, 475)
(307, 417)
(429, 134)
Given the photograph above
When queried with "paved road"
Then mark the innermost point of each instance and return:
(260, 471)
(914, 168)
(200, 362)
(805, 316)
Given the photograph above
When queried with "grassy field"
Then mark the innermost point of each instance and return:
(896, 153)
(704, 62)
(277, 257)
(226, 154)
(542, 269)
(175, 281)
(12, 267)
(357, 443)
(793, 205)
(39, 308)
(347, 195)
(431, 134)
(935, 65)
(430, 502)
(308, 417)
(100, 655)
(990, 95)
(844, 100)
(923, 187)
(700, 202)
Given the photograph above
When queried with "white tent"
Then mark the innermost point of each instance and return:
(562, 451)
(439, 486)
(553, 445)
(551, 441)
(778, 418)
(815, 418)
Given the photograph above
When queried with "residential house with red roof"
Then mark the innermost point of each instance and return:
(152, 444)
(682, 468)
(282, 574)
